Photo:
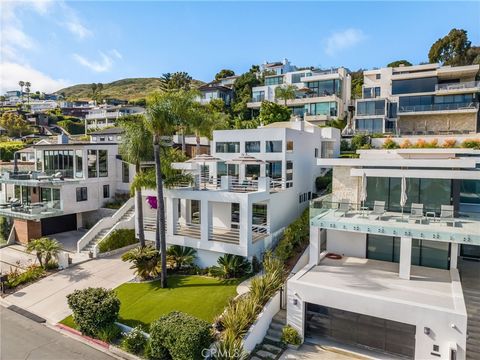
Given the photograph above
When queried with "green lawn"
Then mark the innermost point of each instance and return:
(202, 297)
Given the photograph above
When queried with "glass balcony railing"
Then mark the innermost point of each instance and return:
(330, 213)
(458, 86)
(438, 107)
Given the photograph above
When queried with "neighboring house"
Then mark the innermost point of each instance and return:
(42, 105)
(26, 155)
(215, 90)
(113, 134)
(419, 100)
(106, 116)
(320, 96)
(71, 182)
(243, 208)
(395, 285)
(191, 144)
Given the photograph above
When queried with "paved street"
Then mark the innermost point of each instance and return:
(22, 338)
(47, 297)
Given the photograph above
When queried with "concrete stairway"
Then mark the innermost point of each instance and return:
(271, 348)
(101, 235)
(470, 274)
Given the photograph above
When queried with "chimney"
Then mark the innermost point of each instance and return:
(62, 139)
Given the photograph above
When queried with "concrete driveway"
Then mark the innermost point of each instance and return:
(47, 297)
(15, 256)
(318, 352)
(69, 239)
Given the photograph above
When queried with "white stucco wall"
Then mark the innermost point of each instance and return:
(347, 243)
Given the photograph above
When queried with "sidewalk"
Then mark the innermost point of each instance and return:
(47, 297)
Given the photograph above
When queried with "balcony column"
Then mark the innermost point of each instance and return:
(454, 249)
(172, 215)
(185, 210)
(315, 242)
(245, 224)
(405, 257)
(205, 220)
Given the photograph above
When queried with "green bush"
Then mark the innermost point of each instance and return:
(31, 273)
(390, 144)
(93, 309)
(8, 148)
(118, 239)
(344, 146)
(471, 144)
(182, 336)
(145, 261)
(109, 333)
(73, 126)
(231, 266)
(359, 140)
(134, 342)
(295, 238)
(323, 183)
(290, 336)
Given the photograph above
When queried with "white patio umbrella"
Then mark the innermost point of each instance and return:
(403, 194)
(245, 159)
(203, 159)
(363, 190)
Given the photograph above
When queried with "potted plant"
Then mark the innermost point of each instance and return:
(290, 337)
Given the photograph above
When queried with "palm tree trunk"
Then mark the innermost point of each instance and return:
(160, 236)
(197, 149)
(184, 146)
(139, 204)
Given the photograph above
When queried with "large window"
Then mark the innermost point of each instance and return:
(427, 253)
(411, 86)
(274, 80)
(325, 87)
(82, 194)
(102, 163)
(252, 146)
(125, 172)
(376, 107)
(323, 108)
(289, 173)
(59, 161)
(92, 163)
(369, 125)
(252, 171)
(273, 146)
(296, 78)
(258, 96)
(470, 192)
(45, 194)
(274, 170)
(39, 160)
(227, 147)
(78, 163)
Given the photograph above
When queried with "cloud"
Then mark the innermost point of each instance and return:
(104, 64)
(72, 22)
(11, 73)
(342, 40)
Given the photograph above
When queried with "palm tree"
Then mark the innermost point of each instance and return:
(135, 148)
(45, 249)
(285, 92)
(22, 84)
(162, 119)
(231, 266)
(27, 90)
(145, 261)
(181, 256)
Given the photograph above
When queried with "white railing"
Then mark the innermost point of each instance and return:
(227, 235)
(189, 229)
(458, 86)
(243, 185)
(277, 185)
(105, 223)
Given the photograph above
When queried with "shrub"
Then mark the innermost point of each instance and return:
(295, 237)
(46, 250)
(449, 143)
(290, 336)
(118, 239)
(432, 144)
(420, 144)
(180, 256)
(344, 146)
(93, 309)
(471, 144)
(134, 341)
(73, 125)
(323, 183)
(358, 141)
(406, 144)
(31, 273)
(109, 333)
(389, 143)
(8, 148)
(182, 335)
(145, 261)
(231, 266)
(239, 315)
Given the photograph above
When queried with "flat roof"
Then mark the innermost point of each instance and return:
(427, 286)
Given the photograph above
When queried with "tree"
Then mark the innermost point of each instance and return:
(285, 92)
(231, 266)
(14, 124)
(164, 112)
(243, 92)
(97, 91)
(399, 62)
(27, 90)
(135, 148)
(179, 80)
(145, 261)
(271, 112)
(357, 83)
(224, 73)
(452, 49)
(45, 249)
(21, 84)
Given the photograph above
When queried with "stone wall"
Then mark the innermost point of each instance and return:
(440, 122)
(345, 186)
(26, 230)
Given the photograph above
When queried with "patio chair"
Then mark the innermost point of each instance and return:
(447, 214)
(416, 213)
(378, 209)
(343, 207)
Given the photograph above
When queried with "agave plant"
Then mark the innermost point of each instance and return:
(45, 250)
(231, 266)
(181, 256)
(229, 348)
(238, 317)
(145, 261)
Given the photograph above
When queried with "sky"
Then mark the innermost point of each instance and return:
(54, 44)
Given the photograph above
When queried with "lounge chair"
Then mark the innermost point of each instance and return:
(343, 207)
(378, 209)
(416, 212)
(447, 214)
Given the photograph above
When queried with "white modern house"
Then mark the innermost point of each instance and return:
(72, 181)
(388, 266)
(419, 100)
(320, 96)
(256, 182)
(106, 116)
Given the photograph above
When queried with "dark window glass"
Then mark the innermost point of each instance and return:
(79, 163)
(470, 191)
(377, 92)
(252, 146)
(92, 163)
(274, 80)
(325, 87)
(227, 147)
(102, 163)
(252, 171)
(258, 96)
(410, 86)
(376, 107)
(82, 194)
(125, 172)
(106, 191)
(274, 169)
(369, 125)
(221, 169)
(273, 146)
(45, 194)
(59, 161)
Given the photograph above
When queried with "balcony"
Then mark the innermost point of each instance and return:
(38, 178)
(31, 211)
(104, 115)
(332, 214)
(459, 107)
(453, 87)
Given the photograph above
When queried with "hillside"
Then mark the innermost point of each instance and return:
(125, 89)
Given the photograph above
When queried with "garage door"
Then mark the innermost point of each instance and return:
(59, 224)
(357, 329)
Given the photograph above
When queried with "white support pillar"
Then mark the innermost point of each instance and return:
(314, 245)
(405, 257)
(205, 220)
(454, 252)
(185, 210)
(172, 215)
(245, 224)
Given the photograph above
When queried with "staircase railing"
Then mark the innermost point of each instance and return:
(105, 223)
(124, 224)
